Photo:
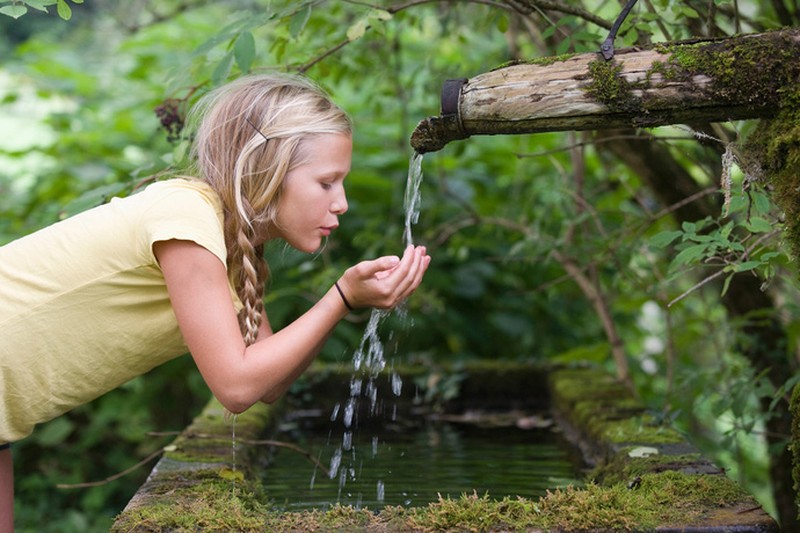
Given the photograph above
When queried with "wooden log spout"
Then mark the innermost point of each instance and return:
(742, 77)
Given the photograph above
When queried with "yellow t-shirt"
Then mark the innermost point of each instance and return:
(83, 304)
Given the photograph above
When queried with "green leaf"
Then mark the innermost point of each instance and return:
(14, 11)
(244, 50)
(725, 285)
(747, 265)
(665, 238)
(223, 69)
(502, 23)
(759, 225)
(690, 254)
(380, 14)
(40, 5)
(64, 11)
(299, 20)
(357, 30)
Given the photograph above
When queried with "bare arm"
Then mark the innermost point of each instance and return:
(239, 376)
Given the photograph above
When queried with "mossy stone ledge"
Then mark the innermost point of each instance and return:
(645, 476)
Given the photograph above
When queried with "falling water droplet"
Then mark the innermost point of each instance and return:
(336, 461)
(349, 411)
(397, 384)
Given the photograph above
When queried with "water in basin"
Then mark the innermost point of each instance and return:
(411, 462)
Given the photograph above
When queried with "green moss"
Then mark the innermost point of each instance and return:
(622, 468)
(573, 385)
(543, 61)
(610, 88)
(604, 412)
(772, 153)
(742, 71)
(209, 438)
(658, 499)
(192, 501)
(639, 430)
(795, 441)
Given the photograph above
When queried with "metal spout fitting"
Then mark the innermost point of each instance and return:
(433, 133)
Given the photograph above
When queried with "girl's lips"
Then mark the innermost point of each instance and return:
(328, 230)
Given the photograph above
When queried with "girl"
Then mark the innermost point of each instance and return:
(106, 295)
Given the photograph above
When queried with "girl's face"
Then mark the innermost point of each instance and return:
(313, 194)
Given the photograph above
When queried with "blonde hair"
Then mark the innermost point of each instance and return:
(250, 134)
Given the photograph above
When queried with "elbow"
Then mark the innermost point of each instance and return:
(236, 408)
(235, 401)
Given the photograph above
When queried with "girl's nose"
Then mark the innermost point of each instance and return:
(339, 205)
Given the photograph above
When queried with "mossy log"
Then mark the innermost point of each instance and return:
(737, 78)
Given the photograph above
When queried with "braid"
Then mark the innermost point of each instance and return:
(249, 271)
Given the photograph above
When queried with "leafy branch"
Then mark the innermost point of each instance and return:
(17, 8)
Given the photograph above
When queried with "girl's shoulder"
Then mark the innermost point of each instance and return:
(182, 187)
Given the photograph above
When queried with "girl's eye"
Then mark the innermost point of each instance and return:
(326, 186)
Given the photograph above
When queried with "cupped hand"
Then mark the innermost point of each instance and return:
(386, 281)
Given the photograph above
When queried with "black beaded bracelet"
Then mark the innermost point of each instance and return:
(346, 303)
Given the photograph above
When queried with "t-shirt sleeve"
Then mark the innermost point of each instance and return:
(184, 213)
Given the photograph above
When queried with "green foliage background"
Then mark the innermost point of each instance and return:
(77, 104)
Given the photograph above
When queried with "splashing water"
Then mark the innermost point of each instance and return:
(369, 359)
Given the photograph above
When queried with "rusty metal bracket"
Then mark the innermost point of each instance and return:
(607, 48)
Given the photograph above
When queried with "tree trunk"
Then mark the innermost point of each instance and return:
(700, 81)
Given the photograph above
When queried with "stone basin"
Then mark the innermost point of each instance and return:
(644, 476)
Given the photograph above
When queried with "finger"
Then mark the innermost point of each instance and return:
(379, 267)
(400, 270)
(419, 272)
(412, 275)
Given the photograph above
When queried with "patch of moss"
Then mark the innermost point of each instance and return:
(740, 68)
(604, 414)
(744, 71)
(772, 153)
(210, 436)
(658, 499)
(638, 430)
(622, 468)
(571, 385)
(610, 88)
(669, 498)
(794, 445)
(543, 61)
(193, 501)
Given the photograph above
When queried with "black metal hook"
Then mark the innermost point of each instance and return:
(607, 48)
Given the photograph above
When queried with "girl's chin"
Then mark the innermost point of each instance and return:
(308, 247)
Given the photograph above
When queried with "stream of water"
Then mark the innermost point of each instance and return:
(369, 360)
